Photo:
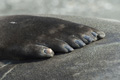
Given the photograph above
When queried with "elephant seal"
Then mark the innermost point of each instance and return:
(33, 37)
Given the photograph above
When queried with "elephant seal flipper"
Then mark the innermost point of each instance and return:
(28, 37)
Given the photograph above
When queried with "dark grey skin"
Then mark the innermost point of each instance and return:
(33, 37)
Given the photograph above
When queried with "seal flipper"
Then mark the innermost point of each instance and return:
(21, 35)
(38, 51)
(30, 51)
(59, 46)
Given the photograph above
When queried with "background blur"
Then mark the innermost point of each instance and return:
(93, 8)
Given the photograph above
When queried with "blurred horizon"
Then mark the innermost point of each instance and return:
(92, 8)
